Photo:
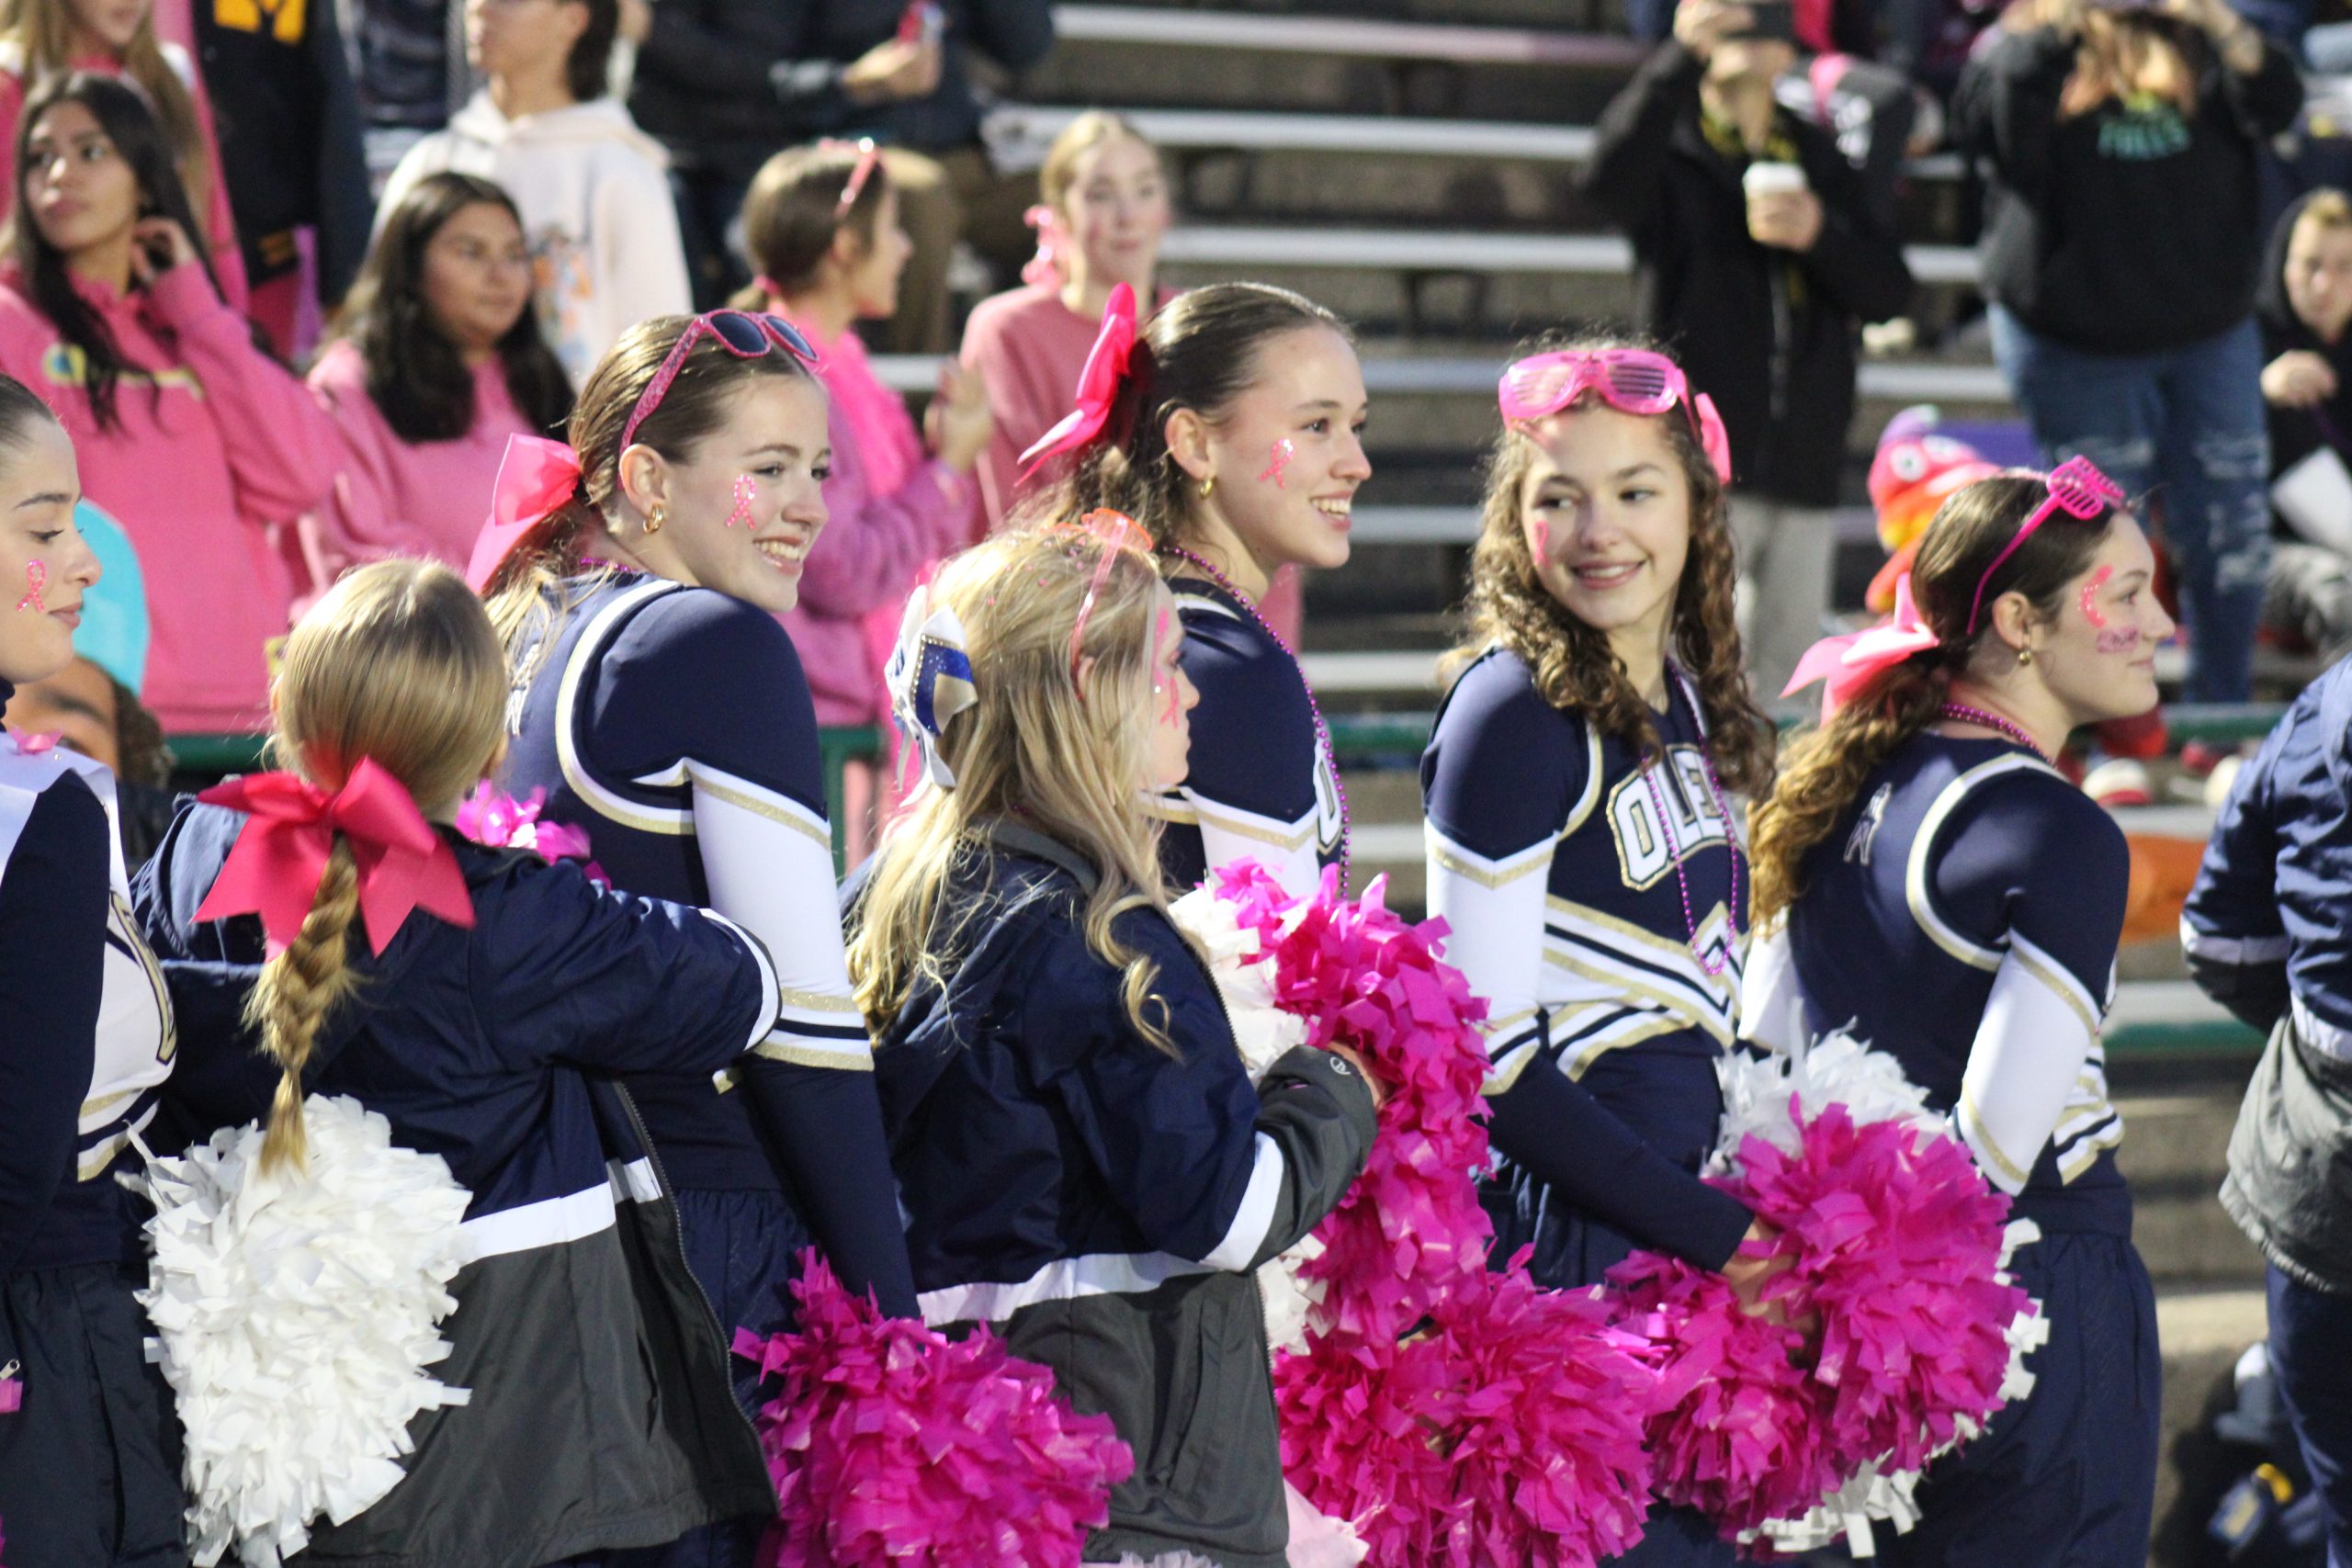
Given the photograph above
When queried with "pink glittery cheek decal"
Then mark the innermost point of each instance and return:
(2090, 598)
(1171, 713)
(744, 490)
(1283, 452)
(2120, 641)
(1541, 529)
(36, 579)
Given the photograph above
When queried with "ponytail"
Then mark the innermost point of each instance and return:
(1825, 772)
(296, 990)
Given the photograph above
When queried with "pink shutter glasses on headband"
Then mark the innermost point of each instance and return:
(741, 334)
(2079, 490)
(1631, 381)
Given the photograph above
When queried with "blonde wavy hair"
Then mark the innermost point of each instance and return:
(1570, 662)
(1826, 768)
(397, 663)
(1066, 758)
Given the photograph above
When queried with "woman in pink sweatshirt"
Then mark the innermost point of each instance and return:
(1104, 211)
(439, 361)
(118, 38)
(195, 441)
(821, 224)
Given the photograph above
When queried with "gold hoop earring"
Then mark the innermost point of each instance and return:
(1208, 485)
(654, 520)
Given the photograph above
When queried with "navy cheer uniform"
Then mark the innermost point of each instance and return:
(674, 726)
(1548, 860)
(1963, 916)
(1104, 1202)
(601, 1415)
(89, 1466)
(1263, 785)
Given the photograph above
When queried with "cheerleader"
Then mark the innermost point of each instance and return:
(1578, 790)
(1232, 431)
(89, 1464)
(1928, 881)
(659, 704)
(1085, 1165)
(467, 995)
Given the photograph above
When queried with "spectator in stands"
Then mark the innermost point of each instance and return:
(92, 705)
(198, 443)
(822, 225)
(590, 186)
(2305, 304)
(116, 37)
(1103, 209)
(290, 152)
(409, 65)
(952, 192)
(725, 83)
(1757, 258)
(2121, 254)
(439, 361)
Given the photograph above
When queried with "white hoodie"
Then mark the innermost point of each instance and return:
(597, 214)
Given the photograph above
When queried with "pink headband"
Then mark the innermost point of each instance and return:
(1115, 530)
(2077, 489)
(1044, 270)
(869, 155)
(1098, 384)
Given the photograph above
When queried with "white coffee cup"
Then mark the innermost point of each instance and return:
(1772, 179)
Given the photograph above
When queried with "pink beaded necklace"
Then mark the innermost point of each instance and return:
(1322, 730)
(1714, 966)
(1964, 714)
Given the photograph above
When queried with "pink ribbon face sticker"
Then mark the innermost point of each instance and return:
(36, 579)
(744, 490)
(1283, 451)
(2089, 600)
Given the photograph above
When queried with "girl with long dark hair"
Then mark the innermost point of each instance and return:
(200, 445)
(439, 361)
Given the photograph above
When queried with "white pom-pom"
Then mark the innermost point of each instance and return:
(1834, 1069)
(1245, 979)
(296, 1315)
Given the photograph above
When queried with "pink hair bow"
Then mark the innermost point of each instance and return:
(1846, 665)
(281, 854)
(1098, 384)
(535, 479)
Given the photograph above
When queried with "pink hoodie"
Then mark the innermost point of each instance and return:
(394, 499)
(205, 455)
(892, 512)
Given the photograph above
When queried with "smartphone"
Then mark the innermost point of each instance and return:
(1772, 21)
(922, 22)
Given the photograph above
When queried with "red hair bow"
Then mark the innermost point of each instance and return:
(1098, 384)
(535, 479)
(1845, 664)
(281, 854)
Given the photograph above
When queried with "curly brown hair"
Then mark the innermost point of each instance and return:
(1572, 664)
(1827, 767)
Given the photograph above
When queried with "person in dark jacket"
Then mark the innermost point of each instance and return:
(2119, 255)
(725, 82)
(1757, 258)
(1085, 1165)
(2268, 929)
(600, 1415)
(2304, 303)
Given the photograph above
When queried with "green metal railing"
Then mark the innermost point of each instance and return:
(1377, 740)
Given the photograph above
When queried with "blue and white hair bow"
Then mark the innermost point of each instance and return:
(930, 678)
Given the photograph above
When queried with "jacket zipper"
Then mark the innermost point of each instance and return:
(678, 1227)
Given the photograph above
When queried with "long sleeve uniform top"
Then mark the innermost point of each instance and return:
(1963, 917)
(1550, 863)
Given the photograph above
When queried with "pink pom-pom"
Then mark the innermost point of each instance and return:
(891, 1444)
(1364, 979)
(497, 820)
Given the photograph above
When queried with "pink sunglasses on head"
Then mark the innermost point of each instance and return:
(2079, 490)
(741, 334)
(1631, 381)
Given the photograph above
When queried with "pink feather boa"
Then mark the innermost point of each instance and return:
(1897, 1246)
(1459, 1418)
(891, 1444)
